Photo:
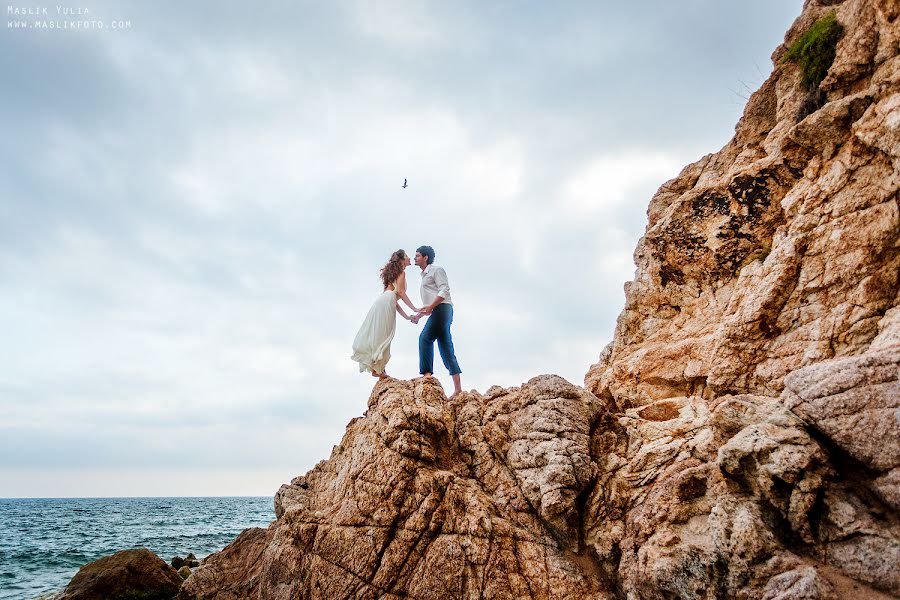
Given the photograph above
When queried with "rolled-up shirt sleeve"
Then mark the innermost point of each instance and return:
(443, 285)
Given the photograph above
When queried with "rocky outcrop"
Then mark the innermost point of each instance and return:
(855, 402)
(542, 491)
(427, 498)
(781, 250)
(738, 438)
(231, 574)
(125, 575)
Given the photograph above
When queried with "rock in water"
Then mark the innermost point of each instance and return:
(126, 575)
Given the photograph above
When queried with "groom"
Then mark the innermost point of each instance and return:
(436, 303)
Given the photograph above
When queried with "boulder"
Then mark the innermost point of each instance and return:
(125, 575)
(855, 401)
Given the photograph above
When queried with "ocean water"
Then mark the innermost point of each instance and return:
(43, 541)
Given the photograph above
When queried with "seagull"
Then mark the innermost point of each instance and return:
(404, 183)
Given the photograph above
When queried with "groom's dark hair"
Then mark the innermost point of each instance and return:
(426, 251)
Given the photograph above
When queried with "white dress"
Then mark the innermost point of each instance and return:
(372, 345)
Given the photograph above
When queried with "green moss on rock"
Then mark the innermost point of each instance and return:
(815, 50)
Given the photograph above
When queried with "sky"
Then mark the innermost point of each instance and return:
(196, 200)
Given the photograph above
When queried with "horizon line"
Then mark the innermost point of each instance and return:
(121, 497)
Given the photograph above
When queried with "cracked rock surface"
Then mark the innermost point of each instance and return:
(782, 249)
(738, 438)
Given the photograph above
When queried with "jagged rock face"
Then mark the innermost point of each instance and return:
(426, 498)
(783, 249)
(721, 500)
(855, 402)
(540, 491)
(737, 439)
(771, 269)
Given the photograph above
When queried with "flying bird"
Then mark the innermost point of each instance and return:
(404, 183)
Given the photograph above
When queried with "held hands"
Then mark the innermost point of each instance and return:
(420, 312)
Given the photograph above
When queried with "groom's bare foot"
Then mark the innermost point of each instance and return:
(457, 386)
(425, 376)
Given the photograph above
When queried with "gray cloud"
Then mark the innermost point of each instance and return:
(193, 213)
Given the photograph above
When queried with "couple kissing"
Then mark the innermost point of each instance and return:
(372, 345)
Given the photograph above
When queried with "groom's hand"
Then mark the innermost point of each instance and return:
(415, 318)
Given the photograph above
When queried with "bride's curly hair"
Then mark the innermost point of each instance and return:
(391, 271)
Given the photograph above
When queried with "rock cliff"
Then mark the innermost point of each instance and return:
(740, 436)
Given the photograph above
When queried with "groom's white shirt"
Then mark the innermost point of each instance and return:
(434, 284)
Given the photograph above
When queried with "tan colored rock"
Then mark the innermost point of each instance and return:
(427, 498)
(861, 543)
(541, 491)
(231, 574)
(779, 463)
(800, 584)
(855, 401)
(695, 490)
(773, 262)
(888, 331)
(779, 251)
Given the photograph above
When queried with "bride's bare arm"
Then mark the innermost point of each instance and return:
(401, 292)
(400, 310)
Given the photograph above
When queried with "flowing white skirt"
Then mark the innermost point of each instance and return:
(372, 345)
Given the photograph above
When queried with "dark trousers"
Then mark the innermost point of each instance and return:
(437, 327)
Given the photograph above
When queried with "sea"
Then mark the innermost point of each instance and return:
(43, 541)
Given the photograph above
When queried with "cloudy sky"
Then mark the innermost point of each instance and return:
(194, 209)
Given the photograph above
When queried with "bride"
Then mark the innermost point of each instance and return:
(372, 345)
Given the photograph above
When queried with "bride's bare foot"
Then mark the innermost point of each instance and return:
(374, 374)
(383, 375)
